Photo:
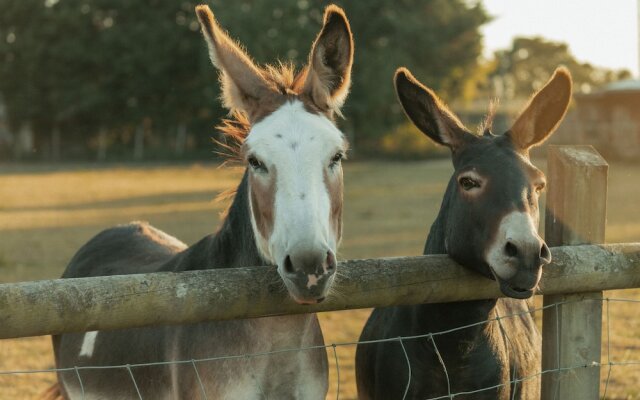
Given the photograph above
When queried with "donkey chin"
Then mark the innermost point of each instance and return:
(521, 285)
(517, 256)
(309, 289)
(518, 272)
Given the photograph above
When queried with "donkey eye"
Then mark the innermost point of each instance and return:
(256, 164)
(336, 159)
(468, 183)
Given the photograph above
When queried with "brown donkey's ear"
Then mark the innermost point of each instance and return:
(243, 85)
(544, 112)
(428, 113)
(329, 72)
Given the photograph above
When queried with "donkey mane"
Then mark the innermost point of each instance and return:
(285, 80)
(289, 83)
(234, 131)
(486, 125)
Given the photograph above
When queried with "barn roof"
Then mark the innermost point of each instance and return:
(628, 85)
(612, 90)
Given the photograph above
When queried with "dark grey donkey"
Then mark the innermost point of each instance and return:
(488, 222)
(287, 212)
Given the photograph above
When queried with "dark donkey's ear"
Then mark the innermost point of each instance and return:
(544, 112)
(328, 75)
(243, 85)
(428, 113)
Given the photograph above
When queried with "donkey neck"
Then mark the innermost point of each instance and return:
(231, 247)
(459, 313)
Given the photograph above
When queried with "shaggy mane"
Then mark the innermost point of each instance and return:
(235, 129)
(284, 77)
(486, 125)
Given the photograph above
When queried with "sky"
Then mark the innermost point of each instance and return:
(601, 32)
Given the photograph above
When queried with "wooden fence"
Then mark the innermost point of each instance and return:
(575, 218)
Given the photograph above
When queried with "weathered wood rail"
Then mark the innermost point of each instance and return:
(125, 301)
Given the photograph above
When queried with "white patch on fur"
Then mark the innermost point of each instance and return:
(88, 343)
(299, 224)
(516, 227)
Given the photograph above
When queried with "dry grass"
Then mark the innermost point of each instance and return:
(46, 215)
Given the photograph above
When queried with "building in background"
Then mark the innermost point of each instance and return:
(608, 119)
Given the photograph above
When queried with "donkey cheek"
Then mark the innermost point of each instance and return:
(336, 222)
(262, 200)
(334, 189)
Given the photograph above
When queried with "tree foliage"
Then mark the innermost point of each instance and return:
(529, 63)
(83, 66)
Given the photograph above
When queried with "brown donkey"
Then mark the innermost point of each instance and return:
(287, 211)
(488, 222)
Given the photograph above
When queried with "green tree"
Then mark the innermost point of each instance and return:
(100, 66)
(25, 86)
(113, 66)
(527, 65)
(438, 40)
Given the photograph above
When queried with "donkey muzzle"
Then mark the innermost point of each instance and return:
(308, 275)
(525, 261)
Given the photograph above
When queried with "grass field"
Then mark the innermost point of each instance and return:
(46, 214)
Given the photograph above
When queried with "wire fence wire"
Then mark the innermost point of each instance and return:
(333, 347)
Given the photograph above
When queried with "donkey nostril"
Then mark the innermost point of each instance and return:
(545, 253)
(331, 262)
(288, 265)
(511, 250)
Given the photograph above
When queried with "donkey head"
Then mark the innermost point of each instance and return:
(490, 209)
(293, 149)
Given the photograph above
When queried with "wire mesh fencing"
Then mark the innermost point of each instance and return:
(626, 355)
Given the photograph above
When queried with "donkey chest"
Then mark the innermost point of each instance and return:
(460, 360)
(297, 379)
(255, 359)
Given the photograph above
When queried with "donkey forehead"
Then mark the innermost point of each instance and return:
(495, 158)
(292, 131)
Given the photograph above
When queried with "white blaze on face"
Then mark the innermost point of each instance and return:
(518, 228)
(296, 146)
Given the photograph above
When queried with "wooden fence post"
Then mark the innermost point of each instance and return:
(572, 332)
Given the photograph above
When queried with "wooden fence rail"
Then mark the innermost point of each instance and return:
(125, 301)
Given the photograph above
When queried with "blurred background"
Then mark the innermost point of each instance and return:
(108, 112)
(125, 80)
